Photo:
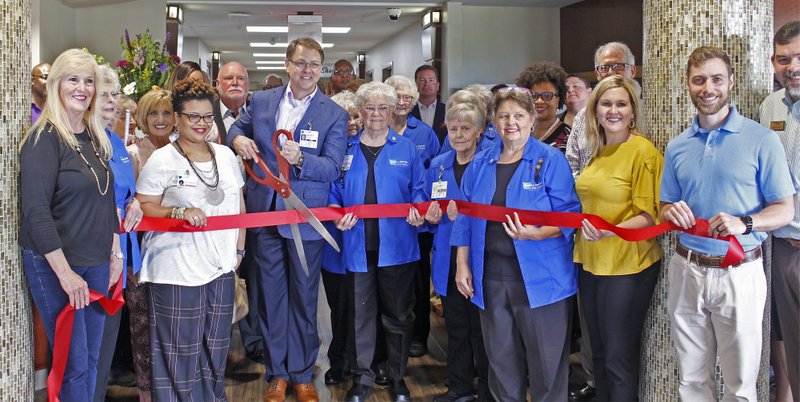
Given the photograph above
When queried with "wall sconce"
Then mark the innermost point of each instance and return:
(215, 55)
(174, 12)
(433, 17)
(362, 58)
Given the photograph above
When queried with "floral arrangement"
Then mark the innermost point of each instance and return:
(146, 64)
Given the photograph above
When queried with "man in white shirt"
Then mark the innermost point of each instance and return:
(428, 108)
(232, 85)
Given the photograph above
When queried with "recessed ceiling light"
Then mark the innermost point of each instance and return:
(269, 68)
(283, 29)
(269, 55)
(270, 62)
(267, 44)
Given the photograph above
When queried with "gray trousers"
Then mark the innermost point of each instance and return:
(190, 332)
(525, 346)
(786, 291)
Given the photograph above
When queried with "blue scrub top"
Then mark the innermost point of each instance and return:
(398, 179)
(442, 170)
(425, 139)
(333, 261)
(125, 189)
(547, 268)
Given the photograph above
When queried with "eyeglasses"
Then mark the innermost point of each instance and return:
(381, 108)
(43, 76)
(195, 118)
(342, 72)
(546, 96)
(302, 64)
(113, 95)
(405, 98)
(617, 67)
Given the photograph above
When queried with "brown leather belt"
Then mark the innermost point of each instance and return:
(714, 261)
(792, 242)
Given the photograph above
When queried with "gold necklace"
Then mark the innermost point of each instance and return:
(543, 136)
(96, 178)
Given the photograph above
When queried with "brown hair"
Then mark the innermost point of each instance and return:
(153, 99)
(705, 53)
(308, 43)
(425, 67)
(180, 72)
(188, 90)
(520, 95)
(786, 34)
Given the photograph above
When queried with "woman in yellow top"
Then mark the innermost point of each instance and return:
(621, 185)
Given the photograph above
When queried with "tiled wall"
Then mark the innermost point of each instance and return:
(16, 330)
(672, 29)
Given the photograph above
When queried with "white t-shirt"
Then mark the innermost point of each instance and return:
(189, 259)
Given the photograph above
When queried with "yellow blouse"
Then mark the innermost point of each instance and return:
(620, 183)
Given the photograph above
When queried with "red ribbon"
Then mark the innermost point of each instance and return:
(734, 255)
(63, 335)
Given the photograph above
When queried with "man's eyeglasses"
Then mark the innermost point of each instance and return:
(113, 95)
(342, 72)
(302, 64)
(195, 118)
(617, 67)
(546, 96)
(373, 108)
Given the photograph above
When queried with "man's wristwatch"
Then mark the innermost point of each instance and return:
(118, 255)
(299, 163)
(240, 253)
(748, 224)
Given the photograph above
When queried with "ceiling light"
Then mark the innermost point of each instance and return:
(267, 44)
(239, 14)
(280, 62)
(270, 68)
(283, 29)
(269, 55)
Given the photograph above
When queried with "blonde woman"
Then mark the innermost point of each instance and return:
(621, 185)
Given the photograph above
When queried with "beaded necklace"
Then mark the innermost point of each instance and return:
(96, 178)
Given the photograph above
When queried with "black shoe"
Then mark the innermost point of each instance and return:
(452, 396)
(417, 349)
(398, 392)
(334, 376)
(358, 392)
(256, 355)
(122, 377)
(382, 376)
(584, 393)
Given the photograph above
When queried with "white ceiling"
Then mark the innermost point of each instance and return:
(209, 21)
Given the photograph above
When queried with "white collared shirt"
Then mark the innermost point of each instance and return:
(227, 116)
(291, 110)
(427, 113)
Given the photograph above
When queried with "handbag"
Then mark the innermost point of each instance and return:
(240, 302)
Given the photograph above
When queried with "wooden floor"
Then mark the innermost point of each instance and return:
(245, 379)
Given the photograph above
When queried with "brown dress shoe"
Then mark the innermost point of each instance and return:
(305, 393)
(276, 390)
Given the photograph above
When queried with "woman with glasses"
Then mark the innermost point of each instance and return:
(620, 184)
(69, 227)
(381, 255)
(129, 212)
(520, 275)
(546, 82)
(190, 274)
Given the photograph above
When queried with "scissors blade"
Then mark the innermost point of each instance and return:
(298, 244)
(298, 205)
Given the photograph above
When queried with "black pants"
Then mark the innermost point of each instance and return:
(422, 290)
(339, 351)
(466, 356)
(393, 289)
(615, 308)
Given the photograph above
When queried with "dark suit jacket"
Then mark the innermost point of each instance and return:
(321, 165)
(438, 121)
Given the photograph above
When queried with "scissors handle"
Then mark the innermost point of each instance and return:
(269, 179)
(283, 164)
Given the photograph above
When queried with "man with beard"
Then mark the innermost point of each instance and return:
(780, 111)
(714, 309)
(38, 89)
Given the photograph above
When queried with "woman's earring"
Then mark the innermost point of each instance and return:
(632, 124)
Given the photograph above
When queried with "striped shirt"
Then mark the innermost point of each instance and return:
(781, 114)
(577, 154)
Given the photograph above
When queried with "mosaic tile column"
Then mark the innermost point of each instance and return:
(672, 29)
(16, 330)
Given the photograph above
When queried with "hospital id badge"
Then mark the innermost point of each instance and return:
(439, 190)
(308, 138)
(348, 160)
(185, 180)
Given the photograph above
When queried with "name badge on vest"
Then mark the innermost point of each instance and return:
(777, 125)
(308, 138)
(348, 160)
(439, 190)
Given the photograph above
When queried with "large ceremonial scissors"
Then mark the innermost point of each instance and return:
(281, 185)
